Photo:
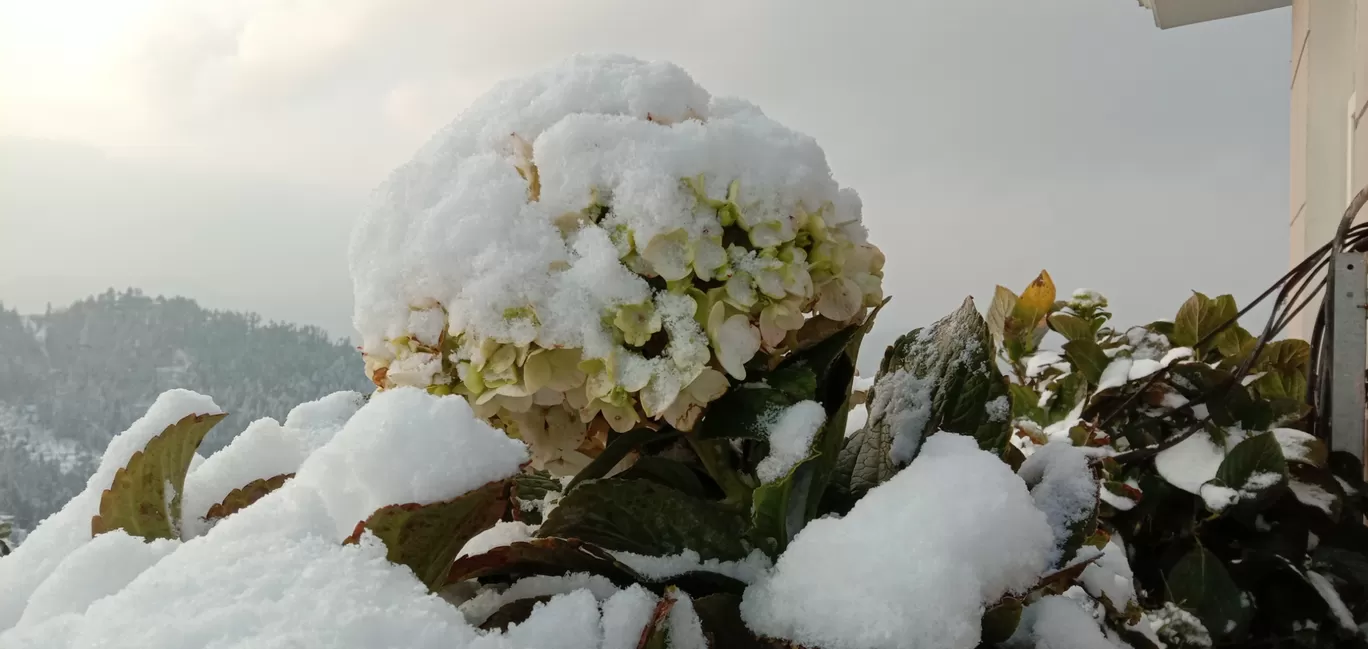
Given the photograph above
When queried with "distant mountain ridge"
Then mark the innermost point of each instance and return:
(71, 379)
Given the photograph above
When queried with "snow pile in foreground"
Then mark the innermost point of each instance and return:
(915, 561)
(66, 531)
(264, 450)
(275, 573)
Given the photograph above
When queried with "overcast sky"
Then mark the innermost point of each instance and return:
(219, 150)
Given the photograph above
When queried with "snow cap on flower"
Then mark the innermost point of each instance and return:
(602, 244)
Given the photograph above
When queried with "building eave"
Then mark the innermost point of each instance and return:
(1176, 13)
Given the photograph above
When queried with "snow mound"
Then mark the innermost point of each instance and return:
(407, 446)
(913, 563)
(275, 574)
(64, 532)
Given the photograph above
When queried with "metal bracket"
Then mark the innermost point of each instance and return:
(1348, 351)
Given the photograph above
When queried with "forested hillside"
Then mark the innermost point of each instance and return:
(72, 378)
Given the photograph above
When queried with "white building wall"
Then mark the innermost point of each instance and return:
(1328, 151)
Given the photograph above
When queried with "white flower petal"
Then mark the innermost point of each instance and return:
(736, 342)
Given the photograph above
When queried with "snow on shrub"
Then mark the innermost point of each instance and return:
(865, 582)
(615, 325)
(603, 242)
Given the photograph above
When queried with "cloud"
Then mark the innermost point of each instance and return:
(988, 139)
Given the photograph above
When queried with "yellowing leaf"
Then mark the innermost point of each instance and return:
(138, 501)
(1030, 310)
(240, 498)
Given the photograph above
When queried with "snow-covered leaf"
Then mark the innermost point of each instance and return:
(1253, 465)
(244, 496)
(145, 497)
(1303, 447)
(1200, 584)
(530, 489)
(549, 556)
(1063, 486)
(514, 612)
(646, 518)
(779, 509)
(937, 378)
(746, 410)
(833, 362)
(1070, 326)
(1000, 620)
(1349, 565)
(427, 538)
(1025, 403)
(1316, 488)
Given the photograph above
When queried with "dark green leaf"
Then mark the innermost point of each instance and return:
(1235, 344)
(1284, 364)
(137, 501)
(1088, 358)
(1162, 327)
(528, 489)
(1302, 447)
(1199, 317)
(240, 498)
(1349, 565)
(834, 362)
(1200, 584)
(670, 473)
(1317, 489)
(554, 557)
(1001, 620)
(779, 509)
(427, 538)
(722, 624)
(1071, 326)
(1287, 412)
(1256, 455)
(940, 378)
(514, 612)
(646, 518)
(746, 410)
(618, 449)
(1025, 403)
(1069, 392)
